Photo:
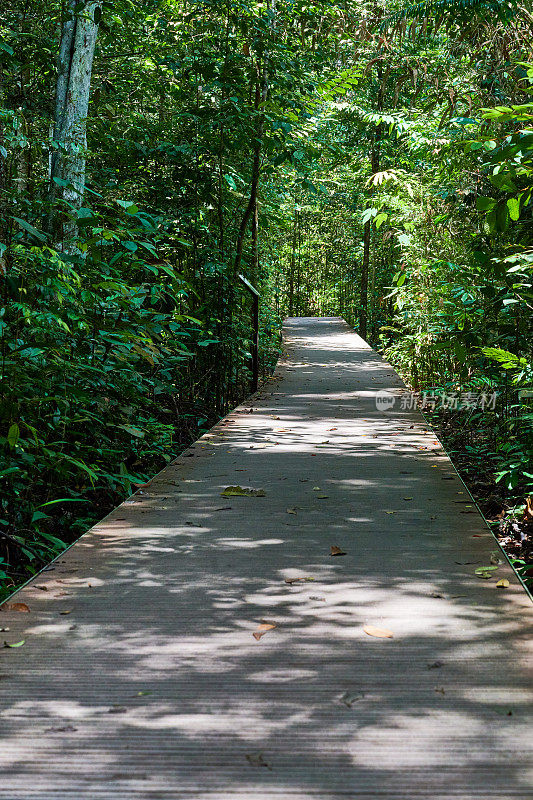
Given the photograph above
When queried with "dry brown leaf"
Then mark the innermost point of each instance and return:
(291, 511)
(336, 551)
(16, 607)
(379, 633)
(349, 698)
(263, 628)
(257, 760)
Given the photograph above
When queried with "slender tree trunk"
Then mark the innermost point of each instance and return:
(254, 272)
(299, 270)
(74, 72)
(367, 233)
(363, 291)
(261, 96)
(292, 264)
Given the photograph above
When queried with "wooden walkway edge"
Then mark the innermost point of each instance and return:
(140, 677)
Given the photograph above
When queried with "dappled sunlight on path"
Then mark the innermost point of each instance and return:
(140, 677)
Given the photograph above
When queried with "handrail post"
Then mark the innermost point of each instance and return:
(255, 331)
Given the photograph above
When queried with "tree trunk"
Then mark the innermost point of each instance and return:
(74, 71)
(292, 265)
(261, 96)
(254, 272)
(367, 233)
(363, 313)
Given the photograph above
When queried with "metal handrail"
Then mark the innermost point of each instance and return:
(255, 330)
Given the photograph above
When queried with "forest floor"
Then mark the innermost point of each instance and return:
(478, 466)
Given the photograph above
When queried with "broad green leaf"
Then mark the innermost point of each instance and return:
(485, 203)
(514, 208)
(30, 229)
(230, 181)
(13, 434)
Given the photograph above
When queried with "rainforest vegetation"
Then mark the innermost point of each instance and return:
(365, 159)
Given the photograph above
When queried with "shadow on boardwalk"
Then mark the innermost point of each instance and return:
(140, 676)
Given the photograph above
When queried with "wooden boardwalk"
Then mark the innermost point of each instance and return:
(141, 679)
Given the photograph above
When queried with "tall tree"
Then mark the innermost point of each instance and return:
(73, 86)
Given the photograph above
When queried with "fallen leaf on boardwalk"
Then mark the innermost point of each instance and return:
(407, 498)
(390, 512)
(63, 729)
(16, 607)
(257, 760)
(440, 689)
(495, 558)
(69, 611)
(291, 511)
(316, 597)
(223, 508)
(117, 710)
(436, 665)
(316, 488)
(141, 485)
(264, 628)
(296, 580)
(15, 644)
(503, 584)
(336, 551)
(322, 496)
(379, 633)
(485, 572)
(242, 491)
(349, 698)
(332, 429)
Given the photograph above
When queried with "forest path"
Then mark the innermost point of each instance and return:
(140, 676)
